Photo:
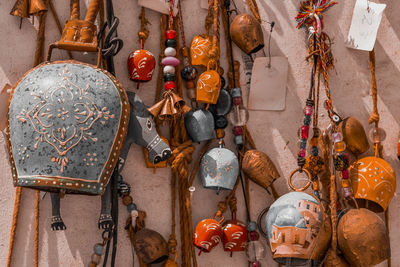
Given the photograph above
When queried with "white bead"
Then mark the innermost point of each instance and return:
(170, 52)
(169, 70)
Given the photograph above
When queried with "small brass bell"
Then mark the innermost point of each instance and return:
(20, 9)
(247, 33)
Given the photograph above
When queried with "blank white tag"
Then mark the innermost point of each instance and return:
(204, 4)
(161, 6)
(268, 85)
(364, 27)
(4, 96)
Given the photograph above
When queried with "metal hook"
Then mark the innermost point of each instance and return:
(272, 23)
(368, 8)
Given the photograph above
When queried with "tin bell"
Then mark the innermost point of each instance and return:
(199, 50)
(374, 180)
(207, 234)
(247, 33)
(199, 125)
(219, 169)
(363, 238)
(297, 229)
(141, 64)
(208, 87)
(234, 236)
(150, 246)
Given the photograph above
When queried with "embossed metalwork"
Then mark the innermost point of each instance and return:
(66, 125)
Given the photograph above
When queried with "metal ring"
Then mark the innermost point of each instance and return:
(304, 187)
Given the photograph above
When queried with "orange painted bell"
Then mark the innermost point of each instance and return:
(141, 64)
(373, 179)
(208, 87)
(208, 234)
(199, 49)
(234, 236)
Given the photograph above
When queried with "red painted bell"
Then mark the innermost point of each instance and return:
(234, 236)
(141, 64)
(208, 234)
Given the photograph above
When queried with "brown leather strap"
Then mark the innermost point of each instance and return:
(75, 9)
(92, 10)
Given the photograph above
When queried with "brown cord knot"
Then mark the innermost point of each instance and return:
(374, 118)
(233, 203)
(221, 208)
(181, 157)
(143, 35)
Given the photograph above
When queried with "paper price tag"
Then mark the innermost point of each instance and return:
(204, 4)
(268, 85)
(364, 27)
(161, 6)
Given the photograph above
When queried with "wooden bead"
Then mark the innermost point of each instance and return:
(190, 84)
(126, 200)
(220, 133)
(191, 93)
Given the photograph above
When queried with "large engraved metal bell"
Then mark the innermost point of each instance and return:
(219, 169)
(199, 125)
(247, 33)
(150, 246)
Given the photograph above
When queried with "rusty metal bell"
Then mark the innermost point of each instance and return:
(363, 239)
(20, 9)
(259, 168)
(150, 246)
(36, 6)
(247, 33)
(354, 135)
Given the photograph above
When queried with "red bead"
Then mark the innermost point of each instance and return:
(256, 264)
(304, 131)
(308, 110)
(302, 153)
(169, 85)
(237, 130)
(254, 236)
(237, 101)
(170, 34)
(345, 174)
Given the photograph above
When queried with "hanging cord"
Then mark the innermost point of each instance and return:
(254, 9)
(181, 27)
(39, 52)
(374, 118)
(214, 52)
(225, 13)
(144, 32)
(14, 223)
(37, 202)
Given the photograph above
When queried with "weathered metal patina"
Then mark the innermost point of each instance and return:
(66, 126)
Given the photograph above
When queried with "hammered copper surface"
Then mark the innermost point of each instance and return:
(332, 259)
(259, 168)
(363, 239)
(354, 135)
(150, 246)
(247, 33)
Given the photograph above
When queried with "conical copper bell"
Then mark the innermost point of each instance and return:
(20, 9)
(354, 135)
(37, 6)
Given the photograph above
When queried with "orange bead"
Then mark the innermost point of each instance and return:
(340, 146)
(314, 141)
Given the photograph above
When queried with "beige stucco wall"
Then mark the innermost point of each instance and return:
(275, 133)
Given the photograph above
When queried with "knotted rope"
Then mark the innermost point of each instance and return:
(143, 34)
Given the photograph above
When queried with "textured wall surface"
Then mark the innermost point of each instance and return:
(275, 133)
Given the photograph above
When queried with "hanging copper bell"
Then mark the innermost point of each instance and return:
(247, 34)
(36, 6)
(259, 168)
(20, 9)
(363, 238)
(354, 135)
(150, 246)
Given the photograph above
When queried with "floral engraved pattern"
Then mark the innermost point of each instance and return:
(64, 116)
(204, 83)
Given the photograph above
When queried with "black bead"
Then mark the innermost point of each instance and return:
(169, 77)
(220, 122)
(170, 43)
(222, 81)
(189, 73)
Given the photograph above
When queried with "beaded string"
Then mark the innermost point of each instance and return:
(188, 72)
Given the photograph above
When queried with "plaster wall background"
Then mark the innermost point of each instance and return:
(275, 133)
